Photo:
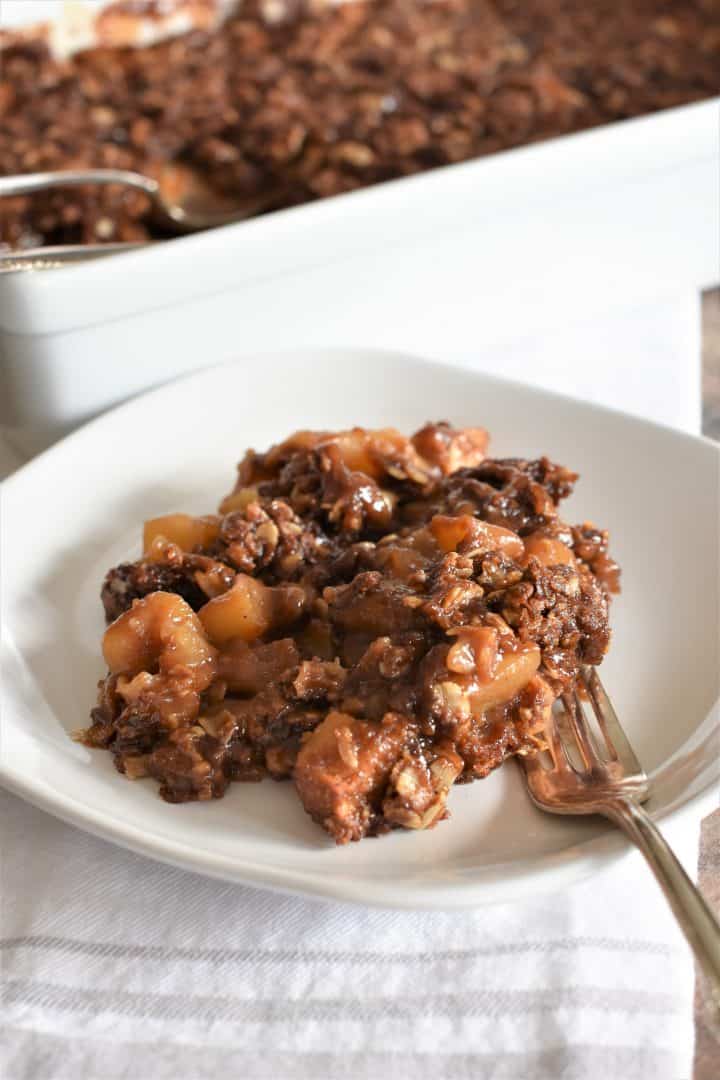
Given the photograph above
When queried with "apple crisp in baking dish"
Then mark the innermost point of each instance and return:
(278, 102)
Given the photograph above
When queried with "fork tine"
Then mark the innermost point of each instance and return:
(603, 710)
(566, 733)
(580, 729)
(615, 738)
(556, 745)
(530, 763)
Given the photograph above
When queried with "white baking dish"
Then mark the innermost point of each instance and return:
(449, 263)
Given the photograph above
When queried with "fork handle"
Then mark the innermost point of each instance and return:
(694, 916)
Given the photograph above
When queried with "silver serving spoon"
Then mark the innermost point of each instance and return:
(181, 203)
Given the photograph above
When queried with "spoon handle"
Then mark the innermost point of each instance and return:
(43, 181)
(53, 258)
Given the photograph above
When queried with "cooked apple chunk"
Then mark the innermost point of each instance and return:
(250, 609)
(158, 633)
(342, 770)
(181, 529)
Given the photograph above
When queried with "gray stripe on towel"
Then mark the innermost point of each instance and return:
(259, 957)
(30, 1055)
(207, 1009)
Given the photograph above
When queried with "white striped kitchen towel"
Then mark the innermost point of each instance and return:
(118, 968)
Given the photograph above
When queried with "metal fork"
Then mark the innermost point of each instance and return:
(595, 771)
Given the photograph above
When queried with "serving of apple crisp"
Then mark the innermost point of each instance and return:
(371, 616)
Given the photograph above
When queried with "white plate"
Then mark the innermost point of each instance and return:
(77, 509)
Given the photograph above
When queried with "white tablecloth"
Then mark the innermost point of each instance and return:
(115, 966)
